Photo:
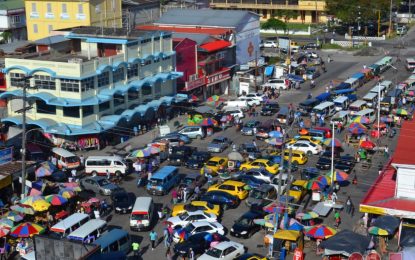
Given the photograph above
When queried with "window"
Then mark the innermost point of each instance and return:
(43, 108)
(80, 9)
(157, 88)
(70, 85)
(87, 84)
(49, 7)
(133, 95)
(118, 99)
(146, 90)
(45, 82)
(34, 28)
(98, 8)
(50, 27)
(15, 79)
(132, 71)
(104, 79)
(15, 19)
(104, 106)
(34, 9)
(118, 75)
(71, 112)
(87, 111)
(113, 5)
(64, 10)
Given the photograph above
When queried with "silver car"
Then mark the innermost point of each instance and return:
(219, 144)
(99, 185)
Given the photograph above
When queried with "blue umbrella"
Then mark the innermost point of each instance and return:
(46, 169)
(275, 134)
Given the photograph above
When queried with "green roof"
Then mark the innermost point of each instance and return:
(11, 5)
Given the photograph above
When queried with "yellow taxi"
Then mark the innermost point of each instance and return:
(261, 163)
(305, 138)
(297, 157)
(298, 190)
(251, 256)
(235, 188)
(214, 165)
(196, 205)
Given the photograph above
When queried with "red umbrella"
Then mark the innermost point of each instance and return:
(381, 125)
(368, 145)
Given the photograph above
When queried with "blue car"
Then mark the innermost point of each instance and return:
(251, 181)
(295, 78)
(220, 198)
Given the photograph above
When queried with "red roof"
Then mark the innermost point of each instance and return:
(215, 45)
(210, 31)
(382, 193)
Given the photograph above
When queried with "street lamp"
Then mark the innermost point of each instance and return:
(332, 155)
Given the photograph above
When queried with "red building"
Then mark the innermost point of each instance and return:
(203, 57)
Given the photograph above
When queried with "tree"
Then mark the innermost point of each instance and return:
(274, 24)
(348, 11)
(6, 36)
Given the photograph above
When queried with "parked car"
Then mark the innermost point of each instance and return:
(219, 144)
(193, 180)
(251, 101)
(311, 46)
(298, 190)
(270, 109)
(225, 251)
(187, 217)
(197, 243)
(295, 78)
(261, 174)
(193, 228)
(324, 163)
(262, 195)
(270, 44)
(312, 73)
(251, 150)
(193, 132)
(260, 163)
(244, 226)
(197, 159)
(123, 201)
(235, 188)
(179, 154)
(250, 181)
(281, 181)
(99, 184)
(222, 198)
(174, 139)
(257, 96)
(249, 127)
(194, 206)
(275, 84)
(214, 165)
(306, 146)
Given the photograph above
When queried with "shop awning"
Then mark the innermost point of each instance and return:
(214, 46)
(269, 70)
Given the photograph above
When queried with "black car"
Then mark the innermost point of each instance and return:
(311, 46)
(270, 109)
(221, 198)
(251, 150)
(123, 201)
(342, 164)
(179, 154)
(244, 226)
(197, 159)
(197, 243)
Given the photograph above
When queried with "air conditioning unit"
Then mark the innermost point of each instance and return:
(75, 60)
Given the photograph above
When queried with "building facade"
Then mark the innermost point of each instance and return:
(308, 11)
(44, 16)
(106, 82)
(12, 21)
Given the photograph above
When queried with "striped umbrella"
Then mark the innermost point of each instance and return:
(67, 194)
(315, 185)
(330, 141)
(41, 205)
(357, 128)
(362, 120)
(378, 231)
(339, 175)
(29, 200)
(307, 216)
(153, 149)
(26, 230)
(13, 216)
(23, 208)
(402, 112)
(141, 153)
(56, 200)
(320, 232)
(324, 180)
(5, 222)
(208, 122)
(4, 231)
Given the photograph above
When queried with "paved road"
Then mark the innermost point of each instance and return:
(344, 64)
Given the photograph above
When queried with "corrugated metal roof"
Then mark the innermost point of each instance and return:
(215, 45)
(11, 5)
(404, 153)
(211, 31)
(204, 17)
(198, 38)
(52, 40)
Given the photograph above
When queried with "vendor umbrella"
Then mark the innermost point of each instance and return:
(307, 216)
(56, 200)
(368, 145)
(330, 141)
(46, 169)
(386, 119)
(345, 243)
(401, 112)
(264, 223)
(388, 223)
(324, 179)
(357, 129)
(235, 156)
(320, 232)
(362, 120)
(339, 175)
(153, 149)
(67, 194)
(315, 185)
(381, 125)
(26, 230)
(4, 231)
(275, 134)
(13, 216)
(378, 231)
(273, 141)
(29, 200)
(410, 93)
(208, 122)
(141, 153)
(41, 205)
(5, 222)
(23, 208)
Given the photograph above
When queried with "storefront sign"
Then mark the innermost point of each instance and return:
(195, 83)
(218, 77)
(373, 210)
(6, 155)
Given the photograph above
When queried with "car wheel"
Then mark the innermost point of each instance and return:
(94, 173)
(225, 206)
(309, 153)
(199, 137)
(295, 164)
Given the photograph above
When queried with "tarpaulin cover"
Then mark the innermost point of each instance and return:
(269, 70)
(346, 242)
(407, 238)
(388, 223)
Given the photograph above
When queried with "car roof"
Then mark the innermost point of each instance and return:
(95, 178)
(196, 212)
(235, 183)
(264, 187)
(299, 182)
(252, 214)
(262, 160)
(216, 158)
(225, 244)
(220, 138)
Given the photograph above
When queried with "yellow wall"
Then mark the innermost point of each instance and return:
(59, 20)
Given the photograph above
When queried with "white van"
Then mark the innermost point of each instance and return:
(68, 225)
(66, 159)
(410, 64)
(142, 214)
(371, 98)
(326, 108)
(387, 83)
(98, 165)
(354, 83)
(89, 231)
(379, 89)
(357, 106)
(234, 111)
(242, 104)
(369, 113)
(341, 117)
(341, 103)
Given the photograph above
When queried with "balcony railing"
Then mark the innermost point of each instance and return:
(271, 4)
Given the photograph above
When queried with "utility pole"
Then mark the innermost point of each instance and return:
(256, 71)
(288, 186)
(378, 23)
(390, 19)
(410, 14)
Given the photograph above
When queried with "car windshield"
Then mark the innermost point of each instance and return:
(189, 228)
(71, 159)
(214, 252)
(243, 221)
(139, 216)
(212, 163)
(103, 182)
(188, 180)
(184, 216)
(210, 205)
(121, 198)
(179, 152)
(250, 149)
(155, 182)
(256, 194)
(296, 188)
(196, 157)
(217, 141)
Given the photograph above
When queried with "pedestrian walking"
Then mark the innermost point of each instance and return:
(334, 197)
(82, 159)
(166, 238)
(153, 239)
(386, 151)
(348, 205)
(337, 219)
(174, 196)
(254, 143)
(136, 248)
(108, 174)
(191, 254)
(169, 254)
